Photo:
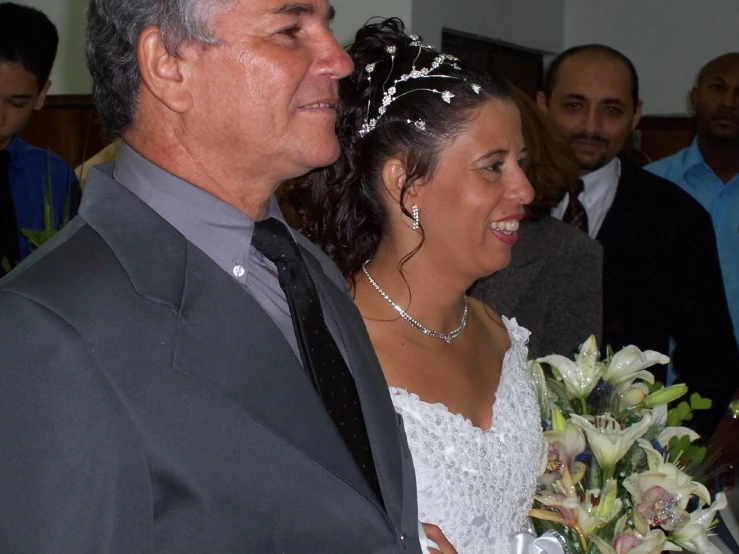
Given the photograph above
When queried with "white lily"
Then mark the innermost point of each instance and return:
(693, 536)
(630, 363)
(607, 440)
(539, 379)
(581, 376)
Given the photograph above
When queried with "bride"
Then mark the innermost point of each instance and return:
(425, 199)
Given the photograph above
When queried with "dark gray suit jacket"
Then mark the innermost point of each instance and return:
(149, 405)
(553, 286)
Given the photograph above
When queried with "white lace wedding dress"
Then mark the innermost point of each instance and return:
(476, 485)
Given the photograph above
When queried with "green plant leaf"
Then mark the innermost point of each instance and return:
(679, 414)
(697, 402)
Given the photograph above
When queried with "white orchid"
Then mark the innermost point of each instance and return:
(585, 518)
(607, 440)
(657, 465)
(693, 536)
(581, 376)
(563, 449)
(661, 495)
(653, 542)
(630, 363)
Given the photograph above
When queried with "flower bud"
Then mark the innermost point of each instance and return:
(558, 420)
(608, 497)
(665, 395)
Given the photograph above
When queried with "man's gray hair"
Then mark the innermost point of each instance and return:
(113, 28)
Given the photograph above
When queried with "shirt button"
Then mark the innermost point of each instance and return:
(238, 271)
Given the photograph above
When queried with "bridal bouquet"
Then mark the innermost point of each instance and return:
(620, 469)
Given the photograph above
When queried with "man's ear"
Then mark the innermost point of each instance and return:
(694, 98)
(42, 96)
(637, 115)
(163, 73)
(541, 101)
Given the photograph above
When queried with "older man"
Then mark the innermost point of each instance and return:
(175, 377)
(661, 274)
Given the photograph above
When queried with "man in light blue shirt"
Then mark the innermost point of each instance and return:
(709, 168)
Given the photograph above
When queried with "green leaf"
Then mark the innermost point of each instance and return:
(679, 414)
(697, 402)
(5, 264)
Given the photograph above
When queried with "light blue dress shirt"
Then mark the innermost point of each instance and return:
(689, 170)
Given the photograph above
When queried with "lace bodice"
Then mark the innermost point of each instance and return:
(476, 485)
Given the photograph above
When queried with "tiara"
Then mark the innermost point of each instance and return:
(390, 94)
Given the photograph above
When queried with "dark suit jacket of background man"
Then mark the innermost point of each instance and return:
(553, 286)
(148, 404)
(661, 278)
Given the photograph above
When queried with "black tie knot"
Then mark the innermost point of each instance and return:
(273, 239)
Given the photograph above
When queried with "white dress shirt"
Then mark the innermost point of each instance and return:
(597, 195)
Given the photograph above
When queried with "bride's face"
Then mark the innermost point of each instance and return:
(470, 209)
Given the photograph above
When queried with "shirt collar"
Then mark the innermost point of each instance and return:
(220, 230)
(604, 178)
(693, 157)
(14, 149)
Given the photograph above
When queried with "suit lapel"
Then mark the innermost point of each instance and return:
(224, 339)
(374, 396)
(613, 224)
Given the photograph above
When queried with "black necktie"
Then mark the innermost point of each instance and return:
(9, 247)
(321, 357)
(575, 213)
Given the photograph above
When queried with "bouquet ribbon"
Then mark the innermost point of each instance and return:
(526, 543)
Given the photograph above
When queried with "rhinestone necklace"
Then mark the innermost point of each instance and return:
(425, 330)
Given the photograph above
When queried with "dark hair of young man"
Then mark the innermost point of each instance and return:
(28, 37)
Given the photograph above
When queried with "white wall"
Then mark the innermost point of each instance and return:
(69, 75)
(531, 23)
(352, 14)
(668, 40)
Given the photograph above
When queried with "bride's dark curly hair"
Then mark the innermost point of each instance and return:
(340, 207)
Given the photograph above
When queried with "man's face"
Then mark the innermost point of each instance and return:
(716, 101)
(591, 105)
(265, 95)
(19, 98)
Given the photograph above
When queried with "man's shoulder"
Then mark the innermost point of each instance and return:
(35, 153)
(669, 166)
(555, 239)
(657, 194)
(35, 159)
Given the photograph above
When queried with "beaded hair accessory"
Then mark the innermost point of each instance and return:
(390, 94)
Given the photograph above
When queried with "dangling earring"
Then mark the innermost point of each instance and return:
(414, 214)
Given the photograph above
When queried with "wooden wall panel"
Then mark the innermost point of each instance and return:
(662, 136)
(64, 125)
